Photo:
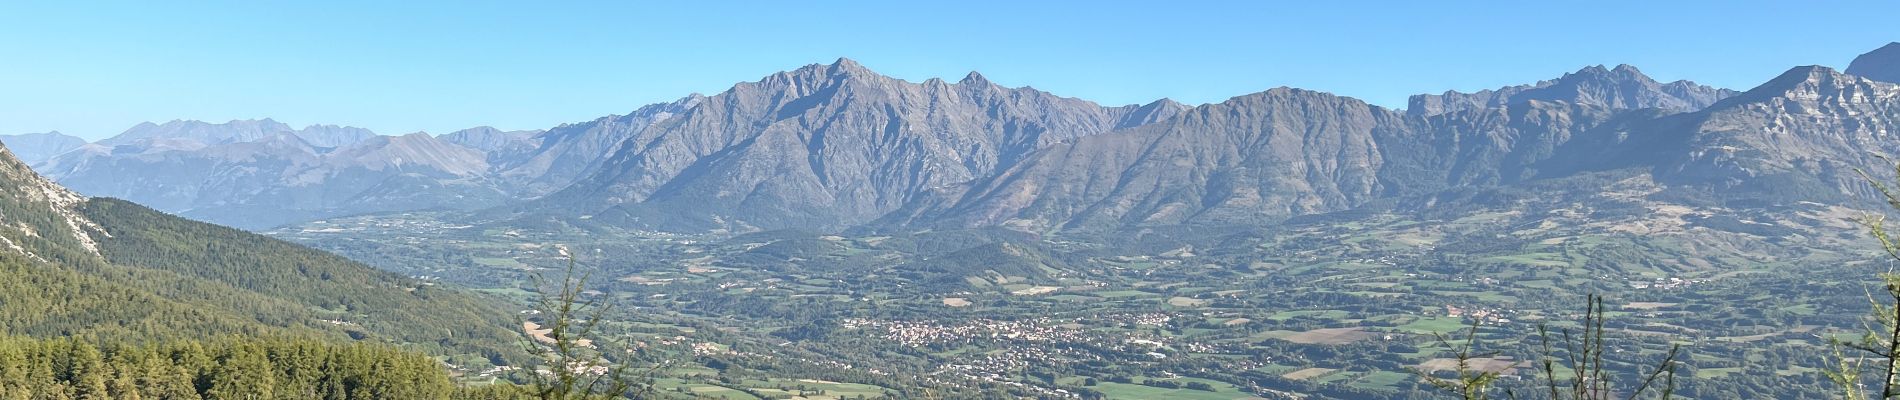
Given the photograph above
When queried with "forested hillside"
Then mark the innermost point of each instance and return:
(231, 368)
(283, 284)
(109, 270)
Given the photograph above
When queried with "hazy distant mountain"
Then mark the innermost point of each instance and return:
(1620, 88)
(235, 131)
(202, 132)
(416, 152)
(495, 141)
(261, 173)
(333, 136)
(33, 148)
(170, 175)
(826, 146)
(212, 175)
(1882, 64)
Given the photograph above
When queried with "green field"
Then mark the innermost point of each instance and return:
(1222, 391)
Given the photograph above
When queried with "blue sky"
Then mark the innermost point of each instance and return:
(93, 69)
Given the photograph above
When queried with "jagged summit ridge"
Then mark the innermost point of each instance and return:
(1621, 87)
(1814, 83)
(829, 145)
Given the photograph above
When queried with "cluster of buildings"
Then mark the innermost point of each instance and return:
(1489, 315)
(1666, 283)
(922, 333)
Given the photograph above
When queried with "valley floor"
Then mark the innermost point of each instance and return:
(1334, 309)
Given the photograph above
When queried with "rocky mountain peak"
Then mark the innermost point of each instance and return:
(1285, 95)
(1621, 87)
(817, 78)
(846, 64)
(1155, 111)
(974, 78)
(1814, 85)
(1882, 64)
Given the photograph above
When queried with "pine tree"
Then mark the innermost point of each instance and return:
(89, 374)
(13, 372)
(243, 375)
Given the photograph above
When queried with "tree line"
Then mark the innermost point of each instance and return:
(229, 368)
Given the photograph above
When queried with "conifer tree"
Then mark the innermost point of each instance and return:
(88, 372)
(244, 374)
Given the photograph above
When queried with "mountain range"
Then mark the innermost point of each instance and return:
(838, 146)
(261, 173)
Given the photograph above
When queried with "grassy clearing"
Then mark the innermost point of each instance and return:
(1647, 305)
(1073, 298)
(516, 294)
(1186, 302)
(1381, 380)
(1277, 369)
(1434, 325)
(1322, 314)
(1308, 373)
(1504, 364)
(1329, 336)
(1222, 391)
(498, 262)
(1118, 294)
(1531, 259)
